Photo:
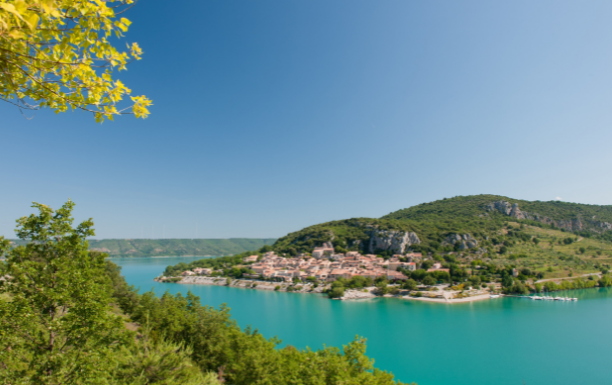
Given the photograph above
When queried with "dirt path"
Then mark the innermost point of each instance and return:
(560, 279)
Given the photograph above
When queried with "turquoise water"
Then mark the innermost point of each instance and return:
(502, 341)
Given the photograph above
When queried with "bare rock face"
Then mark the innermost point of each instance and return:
(466, 241)
(572, 225)
(512, 210)
(516, 212)
(507, 208)
(501, 206)
(396, 241)
(605, 225)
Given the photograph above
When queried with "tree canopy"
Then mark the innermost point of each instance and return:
(59, 54)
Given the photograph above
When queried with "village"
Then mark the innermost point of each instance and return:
(324, 265)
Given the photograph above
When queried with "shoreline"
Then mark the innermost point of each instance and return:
(165, 256)
(308, 288)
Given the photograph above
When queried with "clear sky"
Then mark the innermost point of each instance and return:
(273, 115)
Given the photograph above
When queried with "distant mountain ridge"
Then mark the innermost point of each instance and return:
(463, 222)
(175, 247)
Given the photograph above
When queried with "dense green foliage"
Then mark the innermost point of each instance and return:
(171, 247)
(57, 321)
(338, 286)
(67, 316)
(246, 357)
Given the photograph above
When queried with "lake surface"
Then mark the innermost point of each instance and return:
(501, 341)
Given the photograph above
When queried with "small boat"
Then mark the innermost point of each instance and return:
(494, 296)
(574, 299)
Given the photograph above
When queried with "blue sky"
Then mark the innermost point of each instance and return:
(270, 116)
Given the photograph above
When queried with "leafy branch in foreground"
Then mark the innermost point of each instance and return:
(58, 54)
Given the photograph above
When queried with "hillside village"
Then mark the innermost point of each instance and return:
(465, 245)
(325, 265)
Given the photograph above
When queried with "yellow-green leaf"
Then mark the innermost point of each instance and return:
(32, 20)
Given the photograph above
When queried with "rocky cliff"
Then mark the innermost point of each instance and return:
(395, 241)
(465, 241)
(575, 224)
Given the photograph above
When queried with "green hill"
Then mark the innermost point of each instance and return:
(175, 247)
(474, 207)
(557, 239)
(483, 239)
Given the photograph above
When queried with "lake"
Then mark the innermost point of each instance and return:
(501, 341)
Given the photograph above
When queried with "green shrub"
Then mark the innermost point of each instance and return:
(605, 281)
(336, 292)
(429, 281)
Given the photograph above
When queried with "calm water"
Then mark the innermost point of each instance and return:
(502, 341)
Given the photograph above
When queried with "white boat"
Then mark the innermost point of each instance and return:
(494, 296)
(574, 299)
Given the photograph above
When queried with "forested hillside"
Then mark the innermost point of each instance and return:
(541, 239)
(174, 247)
(469, 208)
(478, 220)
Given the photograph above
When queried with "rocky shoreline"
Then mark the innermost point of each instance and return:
(437, 296)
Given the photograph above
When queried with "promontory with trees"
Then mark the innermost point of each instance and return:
(453, 248)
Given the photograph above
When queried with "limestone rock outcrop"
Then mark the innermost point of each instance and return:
(605, 225)
(507, 208)
(512, 210)
(466, 241)
(501, 206)
(395, 241)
